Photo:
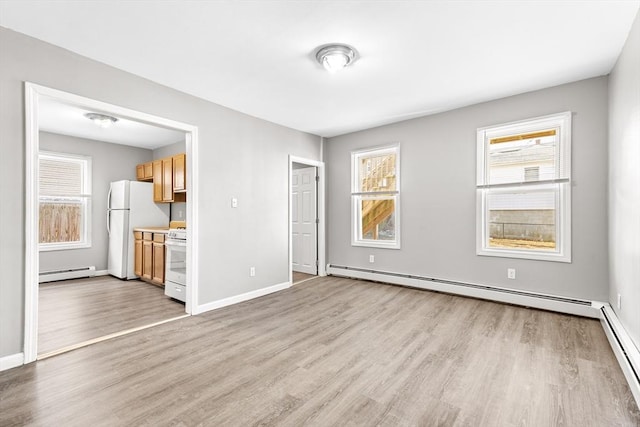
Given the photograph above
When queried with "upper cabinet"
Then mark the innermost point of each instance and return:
(144, 172)
(179, 173)
(169, 176)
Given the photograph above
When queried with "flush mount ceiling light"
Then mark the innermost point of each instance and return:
(335, 57)
(101, 120)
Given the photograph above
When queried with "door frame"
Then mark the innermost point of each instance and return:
(320, 207)
(33, 93)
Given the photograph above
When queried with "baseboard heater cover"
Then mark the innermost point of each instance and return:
(624, 349)
(65, 274)
(513, 296)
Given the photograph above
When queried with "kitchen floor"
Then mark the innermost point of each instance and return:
(74, 311)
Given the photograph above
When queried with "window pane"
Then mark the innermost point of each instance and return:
(523, 157)
(377, 173)
(522, 220)
(60, 177)
(377, 218)
(61, 221)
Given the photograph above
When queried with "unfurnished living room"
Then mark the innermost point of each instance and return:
(328, 213)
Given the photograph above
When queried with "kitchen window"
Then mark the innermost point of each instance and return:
(65, 201)
(375, 196)
(524, 189)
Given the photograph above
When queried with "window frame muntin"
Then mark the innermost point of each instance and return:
(356, 195)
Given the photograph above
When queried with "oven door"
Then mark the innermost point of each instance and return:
(176, 262)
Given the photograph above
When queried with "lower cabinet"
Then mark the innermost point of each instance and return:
(149, 256)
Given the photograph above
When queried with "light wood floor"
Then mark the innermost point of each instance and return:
(74, 311)
(335, 351)
(299, 277)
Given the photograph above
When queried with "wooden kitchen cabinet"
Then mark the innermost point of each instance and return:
(157, 181)
(144, 171)
(149, 256)
(137, 249)
(167, 179)
(158, 259)
(179, 173)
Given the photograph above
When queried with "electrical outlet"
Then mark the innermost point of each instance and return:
(252, 271)
(180, 214)
(511, 273)
(234, 202)
(372, 259)
(619, 301)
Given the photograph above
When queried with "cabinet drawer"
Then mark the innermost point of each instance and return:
(147, 235)
(176, 291)
(158, 237)
(137, 235)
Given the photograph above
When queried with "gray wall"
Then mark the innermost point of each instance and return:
(624, 184)
(438, 176)
(239, 156)
(109, 162)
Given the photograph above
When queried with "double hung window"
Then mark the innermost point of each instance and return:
(65, 201)
(524, 189)
(375, 196)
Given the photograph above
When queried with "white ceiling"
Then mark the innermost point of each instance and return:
(57, 117)
(417, 57)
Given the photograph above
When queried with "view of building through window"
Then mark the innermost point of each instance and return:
(525, 218)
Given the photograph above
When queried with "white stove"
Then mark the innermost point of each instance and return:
(175, 277)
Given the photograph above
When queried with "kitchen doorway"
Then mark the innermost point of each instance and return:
(34, 95)
(306, 219)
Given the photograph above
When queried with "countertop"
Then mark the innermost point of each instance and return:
(152, 229)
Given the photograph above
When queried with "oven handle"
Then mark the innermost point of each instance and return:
(176, 243)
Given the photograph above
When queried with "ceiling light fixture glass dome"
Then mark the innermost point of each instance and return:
(101, 120)
(335, 57)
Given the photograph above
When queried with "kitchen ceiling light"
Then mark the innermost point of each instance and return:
(335, 57)
(101, 120)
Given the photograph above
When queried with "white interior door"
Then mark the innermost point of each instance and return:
(303, 216)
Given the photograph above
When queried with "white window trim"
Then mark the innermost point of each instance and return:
(356, 196)
(86, 200)
(561, 121)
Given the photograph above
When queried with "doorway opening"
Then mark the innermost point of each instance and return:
(306, 220)
(78, 294)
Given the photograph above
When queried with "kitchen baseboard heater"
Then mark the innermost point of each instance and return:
(72, 273)
(560, 304)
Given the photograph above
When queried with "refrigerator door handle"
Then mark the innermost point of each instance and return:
(109, 211)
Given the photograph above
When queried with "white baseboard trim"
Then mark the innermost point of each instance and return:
(11, 361)
(102, 272)
(241, 298)
(559, 304)
(623, 347)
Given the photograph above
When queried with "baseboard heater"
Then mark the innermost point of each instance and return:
(72, 273)
(625, 351)
(512, 296)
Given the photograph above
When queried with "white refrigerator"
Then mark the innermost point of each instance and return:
(129, 205)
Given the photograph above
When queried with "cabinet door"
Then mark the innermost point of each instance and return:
(157, 181)
(137, 260)
(147, 259)
(179, 173)
(148, 170)
(140, 172)
(167, 180)
(158, 263)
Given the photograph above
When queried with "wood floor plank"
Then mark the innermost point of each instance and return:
(74, 311)
(335, 351)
